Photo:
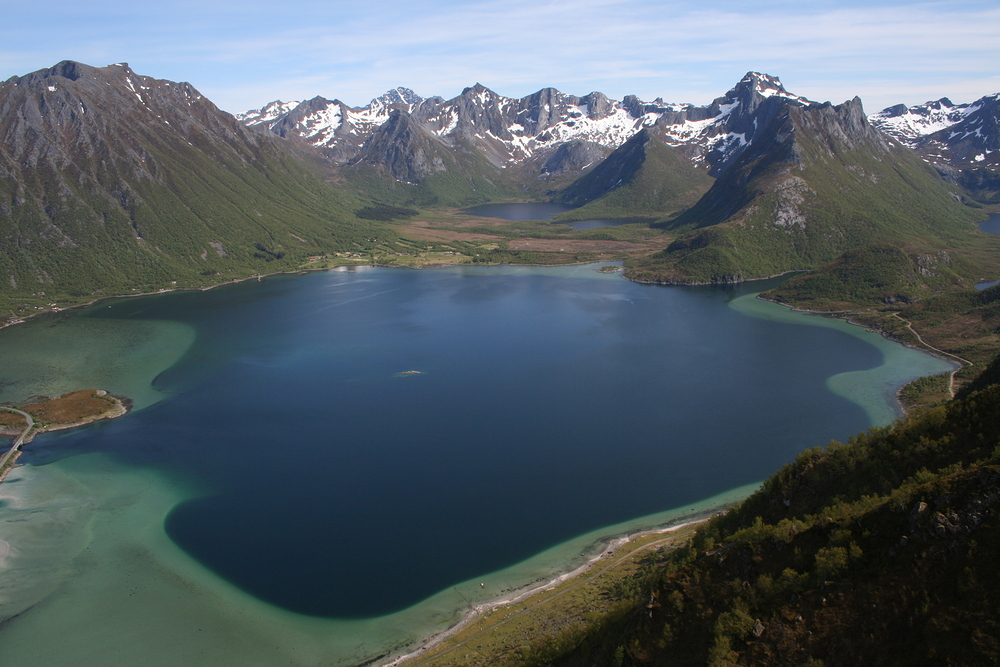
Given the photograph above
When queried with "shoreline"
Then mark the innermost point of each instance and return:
(259, 277)
(695, 283)
(611, 545)
(848, 316)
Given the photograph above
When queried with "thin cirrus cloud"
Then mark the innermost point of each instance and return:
(242, 55)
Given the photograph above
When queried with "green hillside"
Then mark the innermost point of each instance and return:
(110, 192)
(819, 183)
(642, 178)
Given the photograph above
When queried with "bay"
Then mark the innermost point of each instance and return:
(287, 471)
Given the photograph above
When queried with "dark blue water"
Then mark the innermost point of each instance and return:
(992, 225)
(521, 211)
(547, 406)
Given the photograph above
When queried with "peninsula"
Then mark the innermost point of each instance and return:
(43, 413)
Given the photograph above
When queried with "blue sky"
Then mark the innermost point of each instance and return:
(243, 54)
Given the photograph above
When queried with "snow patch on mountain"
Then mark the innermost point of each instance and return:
(267, 113)
(909, 124)
(518, 130)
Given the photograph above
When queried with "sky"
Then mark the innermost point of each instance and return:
(242, 54)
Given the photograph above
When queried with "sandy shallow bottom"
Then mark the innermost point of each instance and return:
(869, 388)
(50, 357)
(90, 578)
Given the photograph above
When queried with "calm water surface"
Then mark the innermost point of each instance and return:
(549, 403)
(992, 225)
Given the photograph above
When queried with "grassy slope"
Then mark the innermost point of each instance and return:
(655, 182)
(464, 177)
(802, 204)
(72, 243)
(880, 275)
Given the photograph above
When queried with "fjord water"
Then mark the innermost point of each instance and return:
(334, 507)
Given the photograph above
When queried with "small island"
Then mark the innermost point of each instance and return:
(43, 413)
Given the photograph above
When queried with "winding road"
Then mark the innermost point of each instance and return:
(19, 439)
(951, 377)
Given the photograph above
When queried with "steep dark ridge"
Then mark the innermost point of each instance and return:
(403, 161)
(777, 152)
(112, 180)
(574, 157)
(478, 112)
(738, 116)
(741, 113)
(816, 181)
(405, 149)
(617, 169)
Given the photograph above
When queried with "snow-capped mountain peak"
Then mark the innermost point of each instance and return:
(909, 124)
(267, 113)
(945, 134)
(513, 131)
(398, 95)
(766, 85)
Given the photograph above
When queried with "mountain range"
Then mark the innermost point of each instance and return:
(962, 141)
(759, 182)
(117, 182)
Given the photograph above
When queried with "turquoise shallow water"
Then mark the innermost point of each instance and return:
(276, 441)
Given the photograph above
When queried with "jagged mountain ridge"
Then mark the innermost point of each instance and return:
(550, 130)
(962, 141)
(944, 132)
(908, 125)
(331, 126)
